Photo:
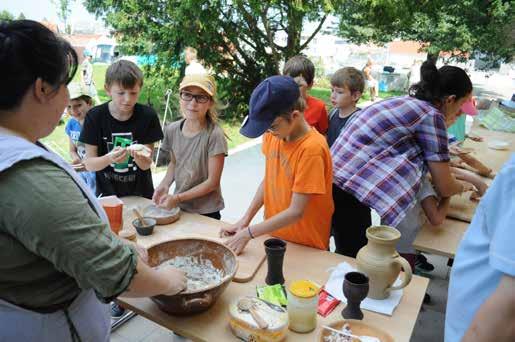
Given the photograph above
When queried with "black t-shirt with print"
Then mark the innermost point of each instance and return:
(104, 131)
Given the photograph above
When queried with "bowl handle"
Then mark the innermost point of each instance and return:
(206, 300)
(407, 272)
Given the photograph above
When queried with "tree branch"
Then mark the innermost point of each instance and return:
(303, 46)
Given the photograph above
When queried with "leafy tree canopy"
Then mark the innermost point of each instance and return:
(460, 27)
(246, 41)
(239, 39)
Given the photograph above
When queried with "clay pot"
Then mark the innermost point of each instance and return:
(381, 263)
(193, 301)
(355, 289)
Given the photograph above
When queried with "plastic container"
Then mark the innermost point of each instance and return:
(302, 306)
(458, 128)
(113, 206)
(243, 325)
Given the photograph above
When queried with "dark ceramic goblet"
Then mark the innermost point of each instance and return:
(355, 289)
(275, 249)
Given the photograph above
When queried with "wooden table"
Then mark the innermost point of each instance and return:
(300, 263)
(441, 240)
(444, 239)
(494, 159)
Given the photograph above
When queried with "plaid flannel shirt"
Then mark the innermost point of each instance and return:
(382, 154)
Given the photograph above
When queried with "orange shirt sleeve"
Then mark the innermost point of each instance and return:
(323, 122)
(310, 175)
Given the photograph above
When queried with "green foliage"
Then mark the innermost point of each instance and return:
(459, 27)
(6, 15)
(237, 39)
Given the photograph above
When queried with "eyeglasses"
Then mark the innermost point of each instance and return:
(199, 98)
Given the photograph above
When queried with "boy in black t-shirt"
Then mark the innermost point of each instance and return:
(347, 85)
(113, 126)
(110, 128)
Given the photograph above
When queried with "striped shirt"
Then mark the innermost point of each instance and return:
(381, 156)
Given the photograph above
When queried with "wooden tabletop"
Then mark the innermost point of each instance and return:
(300, 263)
(444, 239)
(494, 159)
(197, 226)
(441, 240)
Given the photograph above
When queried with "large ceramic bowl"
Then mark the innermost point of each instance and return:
(191, 302)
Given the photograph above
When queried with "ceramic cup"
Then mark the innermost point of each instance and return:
(355, 289)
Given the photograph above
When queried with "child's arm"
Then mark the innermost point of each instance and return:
(164, 187)
(286, 217)
(434, 210)
(470, 177)
(93, 162)
(215, 168)
(143, 161)
(255, 205)
(73, 152)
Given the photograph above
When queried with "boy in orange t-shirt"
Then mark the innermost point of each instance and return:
(315, 112)
(297, 188)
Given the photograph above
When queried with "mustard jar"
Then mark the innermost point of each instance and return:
(302, 306)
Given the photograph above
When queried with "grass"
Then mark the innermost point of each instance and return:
(325, 95)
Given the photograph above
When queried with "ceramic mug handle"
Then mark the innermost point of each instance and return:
(407, 272)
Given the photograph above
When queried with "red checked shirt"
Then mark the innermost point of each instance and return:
(382, 154)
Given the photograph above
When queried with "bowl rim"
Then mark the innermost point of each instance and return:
(226, 278)
(144, 218)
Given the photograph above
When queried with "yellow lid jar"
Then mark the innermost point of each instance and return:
(302, 306)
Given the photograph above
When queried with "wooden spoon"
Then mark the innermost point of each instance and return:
(246, 304)
(140, 218)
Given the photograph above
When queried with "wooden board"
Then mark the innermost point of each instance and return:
(462, 208)
(441, 240)
(194, 225)
(300, 262)
(494, 159)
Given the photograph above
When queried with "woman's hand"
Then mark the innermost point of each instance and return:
(177, 279)
(466, 187)
(238, 242)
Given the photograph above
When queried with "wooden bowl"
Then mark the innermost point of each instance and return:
(162, 216)
(194, 301)
(358, 328)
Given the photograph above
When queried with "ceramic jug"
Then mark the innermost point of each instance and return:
(381, 263)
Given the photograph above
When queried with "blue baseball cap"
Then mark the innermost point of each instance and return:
(272, 97)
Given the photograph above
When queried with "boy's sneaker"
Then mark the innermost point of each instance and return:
(422, 264)
(116, 310)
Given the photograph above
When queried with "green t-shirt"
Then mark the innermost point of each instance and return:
(52, 243)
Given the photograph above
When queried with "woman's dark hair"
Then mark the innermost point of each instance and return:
(28, 51)
(435, 83)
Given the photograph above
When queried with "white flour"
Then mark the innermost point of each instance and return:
(200, 272)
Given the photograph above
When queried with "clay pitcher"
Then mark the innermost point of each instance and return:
(381, 263)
